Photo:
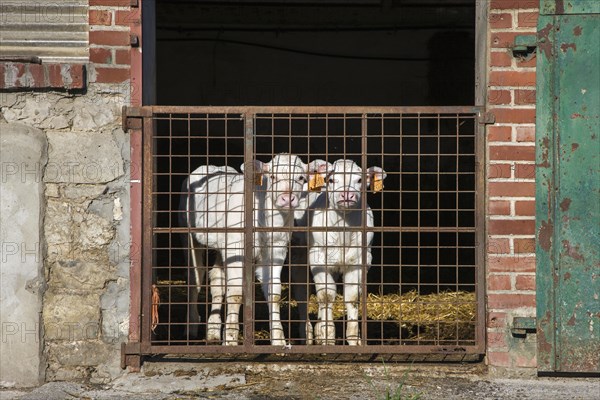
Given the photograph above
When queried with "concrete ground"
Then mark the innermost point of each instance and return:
(244, 380)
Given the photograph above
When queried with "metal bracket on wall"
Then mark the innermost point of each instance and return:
(132, 117)
(134, 3)
(486, 118)
(523, 325)
(524, 47)
(131, 355)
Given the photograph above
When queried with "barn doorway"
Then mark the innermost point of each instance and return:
(333, 54)
(303, 52)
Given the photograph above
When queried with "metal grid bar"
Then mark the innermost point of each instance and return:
(401, 133)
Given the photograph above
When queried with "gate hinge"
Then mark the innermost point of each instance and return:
(523, 325)
(486, 118)
(131, 354)
(133, 117)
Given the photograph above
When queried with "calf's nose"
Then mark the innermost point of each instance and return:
(288, 200)
(348, 196)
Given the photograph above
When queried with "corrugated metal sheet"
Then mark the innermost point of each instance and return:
(55, 31)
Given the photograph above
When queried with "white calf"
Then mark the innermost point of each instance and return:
(340, 252)
(217, 201)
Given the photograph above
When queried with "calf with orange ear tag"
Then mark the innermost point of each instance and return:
(340, 252)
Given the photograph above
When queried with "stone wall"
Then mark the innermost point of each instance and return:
(85, 230)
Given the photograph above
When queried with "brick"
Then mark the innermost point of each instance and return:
(77, 76)
(496, 171)
(509, 301)
(110, 3)
(524, 245)
(37, 72)
(46, 76)
(525, 96)
(498, 282)
(499, 97)
(498, 359)
(100, 17)
(112, 75)
(525, 171)
(525, 134)
(514, 115)
(129, 17)
(528, 19)
(101, 55)
(499, 207)
(511, 227)
(110, 38)
(503, 40)
(525, 208)
(525, 282)
(498, 246)
(496, 319)
(500, 59)
(523, 153)
(496, 340)
(20, 72)
(123, 57)
(517, 263)
(499, 134)
(513, 4)
(54, 75)
(512, 189)
(512, 78)
(500, 21)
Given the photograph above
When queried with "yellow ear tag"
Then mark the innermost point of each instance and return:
(258, 179)
(377, 185)
(316, 183)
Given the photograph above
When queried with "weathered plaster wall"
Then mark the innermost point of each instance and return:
(85, 227)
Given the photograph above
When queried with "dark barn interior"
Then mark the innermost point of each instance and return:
(330, 53)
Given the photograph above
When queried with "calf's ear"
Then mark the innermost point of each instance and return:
(375, 177)
(317, 172)
(259, 169)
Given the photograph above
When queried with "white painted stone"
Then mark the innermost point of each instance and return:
(21, 260)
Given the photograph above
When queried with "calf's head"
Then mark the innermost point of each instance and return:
(345, 182)
(286, 176)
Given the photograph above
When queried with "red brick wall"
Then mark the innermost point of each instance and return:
(110, 42)
(511, 184)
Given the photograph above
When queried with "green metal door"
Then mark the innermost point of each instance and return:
(568, 186)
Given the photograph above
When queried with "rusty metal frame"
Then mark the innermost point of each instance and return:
(145, 346)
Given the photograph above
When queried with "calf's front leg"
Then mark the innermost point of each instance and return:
(352, 289)
(326, 291)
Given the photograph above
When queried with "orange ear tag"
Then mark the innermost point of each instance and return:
(258, 179)
(377, 185)
(316, 183)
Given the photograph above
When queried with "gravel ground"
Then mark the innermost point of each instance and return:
(173, 380)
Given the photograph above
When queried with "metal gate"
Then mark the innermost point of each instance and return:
(423, 292)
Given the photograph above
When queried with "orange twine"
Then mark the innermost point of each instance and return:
(155, 304)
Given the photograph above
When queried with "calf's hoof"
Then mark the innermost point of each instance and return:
(325, 333)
